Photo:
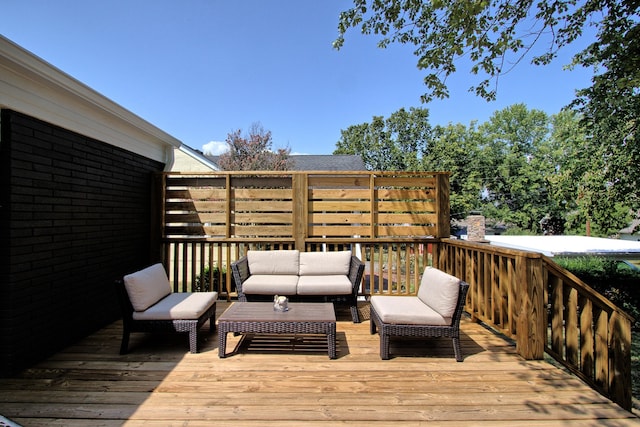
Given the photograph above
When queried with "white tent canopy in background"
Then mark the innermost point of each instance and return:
(570, 245)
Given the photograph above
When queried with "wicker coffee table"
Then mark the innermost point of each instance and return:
(260, 318)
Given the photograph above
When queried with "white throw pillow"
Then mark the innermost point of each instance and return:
(273, 262)
(146, 287)
(439, 291)
(325, 263)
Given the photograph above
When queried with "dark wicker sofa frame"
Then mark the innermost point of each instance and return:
(452, 331)
(132, 325)
(241, 272)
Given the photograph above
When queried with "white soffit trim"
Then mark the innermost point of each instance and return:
(34, 87)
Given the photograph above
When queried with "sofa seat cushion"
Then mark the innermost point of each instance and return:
(270, 284)
(439, 291)
(273, 262)
(146, 287)
(179, 306)
(401, 310)
(324, 263)
(337, 284)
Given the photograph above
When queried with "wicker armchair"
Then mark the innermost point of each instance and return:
(434, 312)
(149, 305)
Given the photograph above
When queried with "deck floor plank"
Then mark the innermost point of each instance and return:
(288, 381)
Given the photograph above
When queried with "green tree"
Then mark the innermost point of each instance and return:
(455, 149)
(578, 185)
(492, 34)
(405, 141)
(514, 173)
(497, 35)
(611, 106)
(567, 181)
(395, 143)
(253, 152)
(563, 152)
(411, 133)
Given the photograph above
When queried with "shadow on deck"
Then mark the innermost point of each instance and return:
(291, 381)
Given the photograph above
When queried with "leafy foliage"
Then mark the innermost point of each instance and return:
(594, 176)
(522, 168)
(395, 143)
(515, 185)
(454, 149)
(253, 152)
(495, 35)
(203, 280)
(611, 106)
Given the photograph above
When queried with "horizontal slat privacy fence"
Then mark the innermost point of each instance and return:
(306, 205)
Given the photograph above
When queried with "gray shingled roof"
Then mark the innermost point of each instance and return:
(328, 162)
(322, 162)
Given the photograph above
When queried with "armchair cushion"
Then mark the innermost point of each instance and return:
(407, 310)
(146, 287)
(325, 263)
(179, 306)
(273, 262)
(439, 291)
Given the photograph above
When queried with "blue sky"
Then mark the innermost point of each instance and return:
(200, 69)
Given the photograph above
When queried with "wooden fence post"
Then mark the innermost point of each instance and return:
(442, 201)
(300, 189)
(619, 360)
(158, 191)
(530, 325)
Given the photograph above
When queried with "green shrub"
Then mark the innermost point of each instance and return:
(202, 282)
(517, 231)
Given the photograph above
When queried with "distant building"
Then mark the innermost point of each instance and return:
(187, 159)
(632, 232)
(328, 162)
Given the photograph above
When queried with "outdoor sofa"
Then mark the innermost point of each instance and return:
(434, 312)
(302, 276)
(149, 305)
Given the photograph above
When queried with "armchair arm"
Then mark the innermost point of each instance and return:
(240, 269)
(356, 270)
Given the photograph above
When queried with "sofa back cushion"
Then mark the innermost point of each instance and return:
(146, 287)
(439, 291)
(325, 263)
(282, 262)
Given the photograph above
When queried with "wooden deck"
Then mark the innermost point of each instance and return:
(292, 382)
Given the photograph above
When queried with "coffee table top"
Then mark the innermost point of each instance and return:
(264, 312)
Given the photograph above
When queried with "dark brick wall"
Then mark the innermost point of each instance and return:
(75, 214)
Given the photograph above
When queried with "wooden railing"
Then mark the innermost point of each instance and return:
(544, 308)
(392, 266)
(205, 264)
(210, 220)
(523, 295)
(588, 334)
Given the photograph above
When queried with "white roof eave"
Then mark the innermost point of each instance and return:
(34, 87)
